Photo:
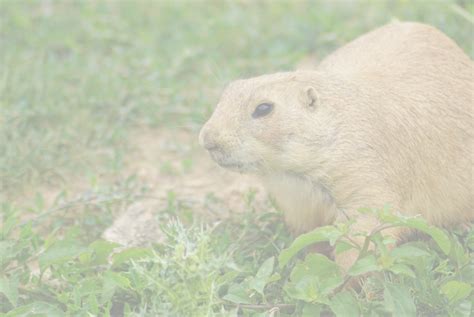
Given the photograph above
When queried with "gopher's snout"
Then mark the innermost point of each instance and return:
(207, 140)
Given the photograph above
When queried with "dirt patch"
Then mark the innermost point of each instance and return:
(178, 172)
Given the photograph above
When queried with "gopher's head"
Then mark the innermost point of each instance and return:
(266, 123)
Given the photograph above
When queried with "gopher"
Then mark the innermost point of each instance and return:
(386, 120)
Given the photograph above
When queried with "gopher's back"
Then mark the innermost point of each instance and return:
(415, 109)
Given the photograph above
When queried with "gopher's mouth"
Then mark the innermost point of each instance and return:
(242, 167)
(232, 164)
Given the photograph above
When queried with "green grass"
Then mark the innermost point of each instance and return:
(78, 77)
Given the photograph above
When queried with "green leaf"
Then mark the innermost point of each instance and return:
(266, 269)
(237, 294)
(420, 224)
(9, 288)
(437, 234)
(327, 233)
(342, 246)
(326, 271)
(408, 251)
(131, 254)
(456, 291)
(386, 216)
(402, 269)
(259, 282)
(305, 290)
(275, 277)
(313, 279)
(61, 252)
(119, 279)
(398, 300)
(344, 304)
(458, 254)
(364, 265)
(102, 249)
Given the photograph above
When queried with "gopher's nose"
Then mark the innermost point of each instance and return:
(207, 140)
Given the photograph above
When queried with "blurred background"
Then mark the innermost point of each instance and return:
(101, 103)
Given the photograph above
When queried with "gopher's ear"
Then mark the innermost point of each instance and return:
(311, 98)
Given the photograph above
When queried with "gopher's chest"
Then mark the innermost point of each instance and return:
(305, 204)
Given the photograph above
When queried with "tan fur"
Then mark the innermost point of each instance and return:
(385, 120)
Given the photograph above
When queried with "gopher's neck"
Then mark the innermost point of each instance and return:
(306, 204)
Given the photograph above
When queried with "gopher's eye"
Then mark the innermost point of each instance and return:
(262, 110)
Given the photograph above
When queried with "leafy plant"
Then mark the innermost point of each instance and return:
(196, 272)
